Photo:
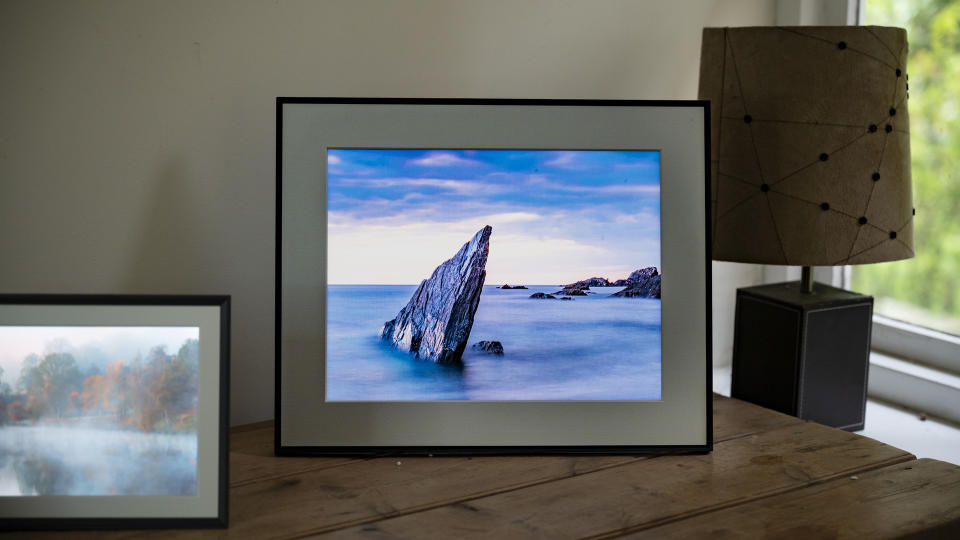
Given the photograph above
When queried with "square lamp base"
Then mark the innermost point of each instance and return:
(803, 354)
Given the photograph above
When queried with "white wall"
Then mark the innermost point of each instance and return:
(137, 137)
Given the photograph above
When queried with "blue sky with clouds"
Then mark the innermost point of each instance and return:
(557, 216)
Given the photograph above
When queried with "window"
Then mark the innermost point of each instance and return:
(917, 301)
(925, 290)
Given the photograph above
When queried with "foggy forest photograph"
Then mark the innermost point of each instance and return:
(92, 410)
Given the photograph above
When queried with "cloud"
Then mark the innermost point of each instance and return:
(536, 179)
(443, 159)
(642, 165)
(564, 160)
(333, 159)
(526, 247)
(408, 254)
(460, 187)
(580, 218)
(520, 258)
(610, 189)
(382, 253)
(428, 220)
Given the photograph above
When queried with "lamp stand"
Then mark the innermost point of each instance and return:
(803, 353)
(806, 280)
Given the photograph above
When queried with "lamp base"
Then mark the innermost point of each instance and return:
(803, 354)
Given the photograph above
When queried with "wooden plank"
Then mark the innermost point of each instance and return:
(253, 426)
(365, 491)
(250, 445)
(250, 468)
(913, 498)
(385, 487)
(734, 418)
(380, 488)
(731, 418)
(259, 439)
(647, 491)
(252, 458)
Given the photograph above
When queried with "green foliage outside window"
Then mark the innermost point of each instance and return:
(931, 280)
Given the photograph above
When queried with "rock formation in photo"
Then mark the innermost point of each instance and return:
(489, 347)
(642, 283)
(435, 324)
(585, 284)
(543, 296)
(572, 291)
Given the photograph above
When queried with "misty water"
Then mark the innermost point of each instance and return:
(593, 347)
(60, 460)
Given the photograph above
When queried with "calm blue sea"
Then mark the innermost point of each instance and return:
(588, 348)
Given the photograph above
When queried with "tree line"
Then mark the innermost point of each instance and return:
(155, 393)
(931, 279)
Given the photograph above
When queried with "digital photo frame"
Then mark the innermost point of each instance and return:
(492, 276)
(115, 411)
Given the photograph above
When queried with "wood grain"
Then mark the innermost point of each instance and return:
(649, 491)
(252, 459)
(891, 502)
(760, 457)
(384, 487)
(379, 488)
(734, 418)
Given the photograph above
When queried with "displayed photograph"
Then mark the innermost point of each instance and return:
(493, 275)
(93, 410)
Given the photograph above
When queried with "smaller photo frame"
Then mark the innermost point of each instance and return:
(113, 411)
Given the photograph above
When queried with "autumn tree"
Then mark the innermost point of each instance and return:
(4, 397)
(49, 383)
(4, 387)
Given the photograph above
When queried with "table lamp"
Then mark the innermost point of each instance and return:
(810, 156)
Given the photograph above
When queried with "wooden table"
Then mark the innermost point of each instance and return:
(770, 475)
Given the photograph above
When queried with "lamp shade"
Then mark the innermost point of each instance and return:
(810, 145)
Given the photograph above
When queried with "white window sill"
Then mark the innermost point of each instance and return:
(927, 389)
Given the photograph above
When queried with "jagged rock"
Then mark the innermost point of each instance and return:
(642, 283)
(571, 291)
(619, 283)
(490, 347)
(541, 296)
(436, 322)
(587, 283)
(643, 274)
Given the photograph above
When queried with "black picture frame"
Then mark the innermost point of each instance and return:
(308, 126)
(209, 315)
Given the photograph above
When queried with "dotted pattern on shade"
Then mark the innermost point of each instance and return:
(763, 210)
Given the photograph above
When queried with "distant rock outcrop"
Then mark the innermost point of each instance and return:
(642, 283)
(542, 296)
(436, 322)
(642, 274)
(505, 286)
(587, 283)
(571, 291)
(489, 347)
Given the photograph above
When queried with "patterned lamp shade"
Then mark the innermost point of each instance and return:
(810, 147)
